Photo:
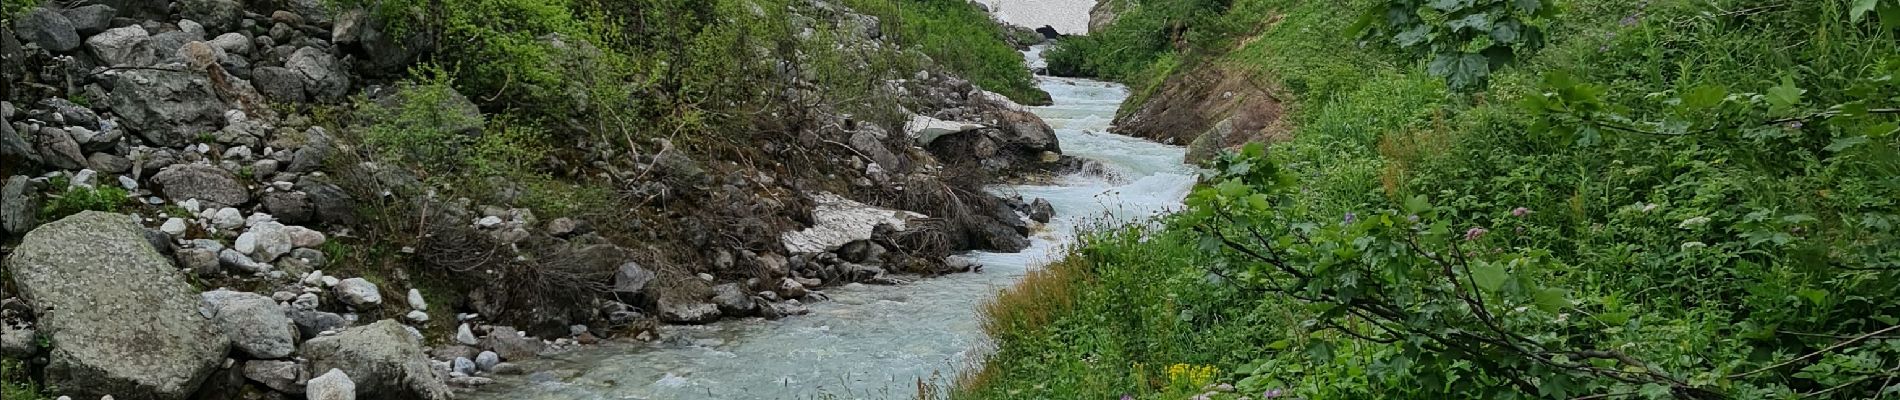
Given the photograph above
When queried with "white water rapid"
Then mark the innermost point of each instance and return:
(875, 342)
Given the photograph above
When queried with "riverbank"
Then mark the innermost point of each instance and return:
(1465, 200)
(879, 341)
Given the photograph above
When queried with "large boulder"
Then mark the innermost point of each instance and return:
(49, 29)
(167, 108)
(123, 321)
(91, 19)
(253, 322)
(734, 300)
(215, 15)
(211, 185)
(282, 376)
(511, 344)
(130, 45)
(333, 385)
(279, 84)
(59, 150)
(384, 360)
(323, 77)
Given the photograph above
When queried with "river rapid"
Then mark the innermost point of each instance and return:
(876, 342)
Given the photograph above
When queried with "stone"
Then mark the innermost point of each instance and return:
(18, 342)
(49, 29)
(234, 260)
(734, 300)
(331, 203)
(358, 293)
(13, 147)
(568, 227)
(57, 149)
(1041, 211)
(128, 46)
(19, 205)
(282, 376)
(333, 385)
(213, 15)
(211, 185)
(279, 84)
(301, 237)
(201, 261)
(254, 323)
(632, 278)
(466, 336)
(173, 226)
(791, 289)
(471, 381)
(167, 108)
(511, 344)
(323, 77)
(104, 277)
(73, 113)
(463, 366)
(508, 369)
(233, 43)
(487, 360)
(416, 302)
(925, 129)
(265, 242)
(686, 310)
(416, 316)
(110, 164)
(91, 19)
(384, 359)
(312, 323)
(227, 218)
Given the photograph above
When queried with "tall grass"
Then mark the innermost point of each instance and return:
(960, 37)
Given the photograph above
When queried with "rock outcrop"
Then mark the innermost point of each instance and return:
(383, 359)
(122, 319)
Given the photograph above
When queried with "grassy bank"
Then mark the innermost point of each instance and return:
(1654, 199)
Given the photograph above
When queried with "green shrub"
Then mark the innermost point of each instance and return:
(963, 39)
(15, 383)
(1665, 201)
(76, 199)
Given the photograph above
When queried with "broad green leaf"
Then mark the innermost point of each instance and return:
(1529, 6)
(1417, 204)
(1449, 5)
(1784, 96)
(1507, 32)
(1704, 97)
(1489, 276)
(1860, 9)
(1845, 143)
(1478, 21)
(1889, 14)
(1551, 299)
(1816, 296)
(1418, 34)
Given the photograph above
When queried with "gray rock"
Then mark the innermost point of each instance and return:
(306, 238)
(508, 369)
(214, 15)
(1041, 211)
(92, 19)
(311, 323)
(290, 207)
(632, 278)
(109, 163)
(265, 242)
(125, 46)
(282, 376)
(167, 108)
(254, 323)
(279, 84)
(684, 310)
(333, 385)
(233, 43)
(57, 149)
(74, 113)
(466, 336)
(118, 300)
(19, 205)
(487, 360)
(331, 203)
(234, 260)
(568, 227)
(385, 360)
(323, 77)
(49, 29)
(202, 261)
(416, 302)
(791, 289)
(13, 147)
(358, 293)
(211, 185)
(463, 365)
(510, 344)
(18, 342)
(734, 300)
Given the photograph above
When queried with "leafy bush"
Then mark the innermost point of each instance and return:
(1668, 200)
(1465, 40)
(962, 38)
(76, 199)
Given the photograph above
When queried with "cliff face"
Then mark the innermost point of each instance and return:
(1208, 108)
(505, 172)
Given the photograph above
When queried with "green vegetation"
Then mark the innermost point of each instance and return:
(16, 383)
(1669, 199)
(962, 39)
(76, 199)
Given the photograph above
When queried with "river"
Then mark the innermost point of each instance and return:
(875, 342)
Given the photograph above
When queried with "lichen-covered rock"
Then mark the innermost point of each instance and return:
(208, 184)
(129, 46)
(167, 108)
(19, 205)
(333, 385)
(282, 376)
(323, 77)
(90, 19)
(384, 360)
(122, 319)
(49, 29)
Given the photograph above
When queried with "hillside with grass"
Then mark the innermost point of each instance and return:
(1487, 199)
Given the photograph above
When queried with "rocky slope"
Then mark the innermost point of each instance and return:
(191, 209)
